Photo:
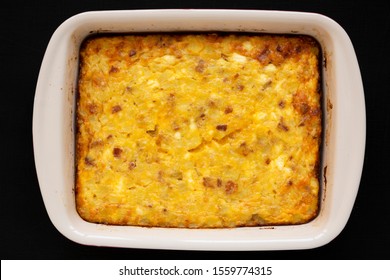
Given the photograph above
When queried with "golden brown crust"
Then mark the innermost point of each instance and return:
(198, 130)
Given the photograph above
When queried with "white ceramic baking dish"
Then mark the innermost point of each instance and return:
(343, 143)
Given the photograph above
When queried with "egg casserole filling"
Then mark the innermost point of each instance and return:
(198, 130)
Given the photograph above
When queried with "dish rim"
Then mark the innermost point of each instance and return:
(346, 142)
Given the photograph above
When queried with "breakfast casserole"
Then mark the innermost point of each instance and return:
(198, 130)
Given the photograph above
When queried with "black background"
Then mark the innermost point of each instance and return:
(26, 231)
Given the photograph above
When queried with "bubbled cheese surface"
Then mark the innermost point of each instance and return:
(198, 130)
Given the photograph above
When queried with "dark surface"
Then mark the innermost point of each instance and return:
(26, 231)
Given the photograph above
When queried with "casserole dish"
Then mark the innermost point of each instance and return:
(342, 146)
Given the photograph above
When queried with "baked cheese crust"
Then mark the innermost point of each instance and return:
(198, 130)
